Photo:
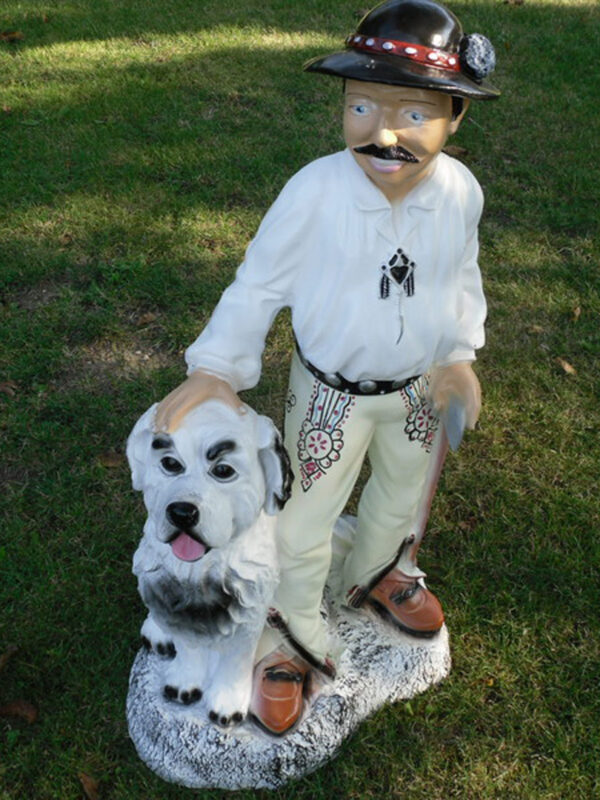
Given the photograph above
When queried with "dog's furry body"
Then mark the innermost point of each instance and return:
(206, 565)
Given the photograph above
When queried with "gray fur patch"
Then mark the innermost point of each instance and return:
(206, 609)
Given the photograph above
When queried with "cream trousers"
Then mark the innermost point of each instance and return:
(327, 435)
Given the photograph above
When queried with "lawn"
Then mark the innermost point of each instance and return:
(140, 145)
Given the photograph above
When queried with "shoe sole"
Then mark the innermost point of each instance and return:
(278, 734)
(387, 615)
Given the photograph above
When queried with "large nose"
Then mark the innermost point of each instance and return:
(183, 515)
(386, 137)
(386, 133)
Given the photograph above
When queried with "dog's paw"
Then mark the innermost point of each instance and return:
(184, 696)
(226, 721)
(165, 649)
(155, 639)
(183, 679)
(228, 705)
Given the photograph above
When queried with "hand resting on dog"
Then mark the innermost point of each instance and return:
(196, 389)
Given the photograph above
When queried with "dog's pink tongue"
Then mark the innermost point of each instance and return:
(186, 548)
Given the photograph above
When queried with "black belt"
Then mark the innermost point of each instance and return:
(365, 387)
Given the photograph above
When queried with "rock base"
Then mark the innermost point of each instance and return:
(378, 665)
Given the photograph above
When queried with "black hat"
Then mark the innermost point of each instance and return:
(414, 43)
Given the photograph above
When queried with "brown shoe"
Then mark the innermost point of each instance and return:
(279, 686)
(407, 605)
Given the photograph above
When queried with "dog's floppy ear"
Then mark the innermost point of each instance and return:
(276, 466)
(138, 446)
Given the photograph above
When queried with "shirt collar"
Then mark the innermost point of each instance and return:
(367, 197)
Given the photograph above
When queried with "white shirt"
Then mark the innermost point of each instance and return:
(323, 248)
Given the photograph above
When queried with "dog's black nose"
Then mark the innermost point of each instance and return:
(183, 515)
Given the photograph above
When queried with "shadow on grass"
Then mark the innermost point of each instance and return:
(136, 188)
(191, 131)
(90, 20)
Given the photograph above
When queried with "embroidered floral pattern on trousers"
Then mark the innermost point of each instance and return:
(421, 422)
(321, 438)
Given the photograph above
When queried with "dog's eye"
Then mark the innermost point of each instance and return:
(223, 472)
(172, 465)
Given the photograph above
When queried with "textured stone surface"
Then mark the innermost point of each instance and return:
(378, 666)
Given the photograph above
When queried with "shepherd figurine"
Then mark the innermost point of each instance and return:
(375, 250)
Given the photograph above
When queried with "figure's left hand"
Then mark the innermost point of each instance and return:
(456, 380)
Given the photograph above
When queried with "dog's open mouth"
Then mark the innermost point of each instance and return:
(187, 547)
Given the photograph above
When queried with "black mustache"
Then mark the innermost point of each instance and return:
(394, 152)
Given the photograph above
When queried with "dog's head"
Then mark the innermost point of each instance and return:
(210, 479)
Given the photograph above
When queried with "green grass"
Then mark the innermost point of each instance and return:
(140, 145)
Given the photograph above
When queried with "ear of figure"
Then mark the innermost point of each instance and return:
(276, 466)
(458, 118)
(138, 446)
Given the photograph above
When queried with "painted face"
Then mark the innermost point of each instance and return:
(400, 129)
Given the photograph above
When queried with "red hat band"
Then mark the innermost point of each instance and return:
(416, 52)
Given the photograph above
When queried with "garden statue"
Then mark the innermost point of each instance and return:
(374, 249)
(207, 565)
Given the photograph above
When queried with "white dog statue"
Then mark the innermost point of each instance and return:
(206, 565)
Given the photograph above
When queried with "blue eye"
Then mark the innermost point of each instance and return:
(360, 109)
(416, 117)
